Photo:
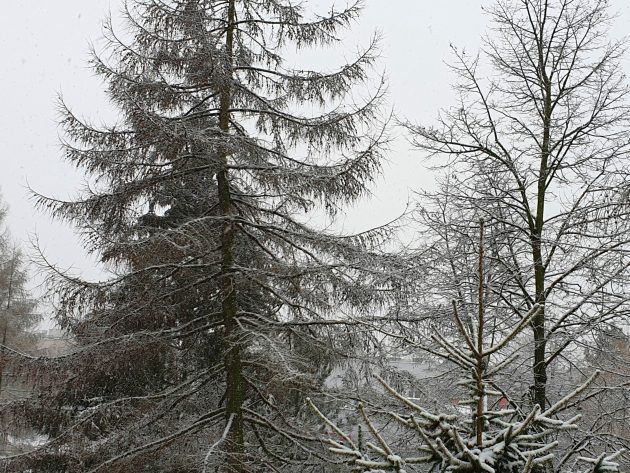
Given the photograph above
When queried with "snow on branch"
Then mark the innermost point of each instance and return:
(478, 440)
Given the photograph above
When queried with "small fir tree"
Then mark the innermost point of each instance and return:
(479, 438)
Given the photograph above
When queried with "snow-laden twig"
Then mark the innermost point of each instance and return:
(226, 431)
(604, 463)
(562, 403)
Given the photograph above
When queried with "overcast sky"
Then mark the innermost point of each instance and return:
(44, 44)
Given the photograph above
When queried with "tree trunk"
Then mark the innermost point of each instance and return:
(232, 358)
(538, 323)
(479, 367)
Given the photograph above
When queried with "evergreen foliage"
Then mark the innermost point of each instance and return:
(224, 302)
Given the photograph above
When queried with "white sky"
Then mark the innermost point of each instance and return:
(44, 44)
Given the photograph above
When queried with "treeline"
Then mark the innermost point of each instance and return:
(235, 325)
(18, 322)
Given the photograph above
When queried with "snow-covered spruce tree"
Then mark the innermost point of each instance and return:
(195, 354)
(486, 433)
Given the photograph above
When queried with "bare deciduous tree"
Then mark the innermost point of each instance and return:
(537, 147)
